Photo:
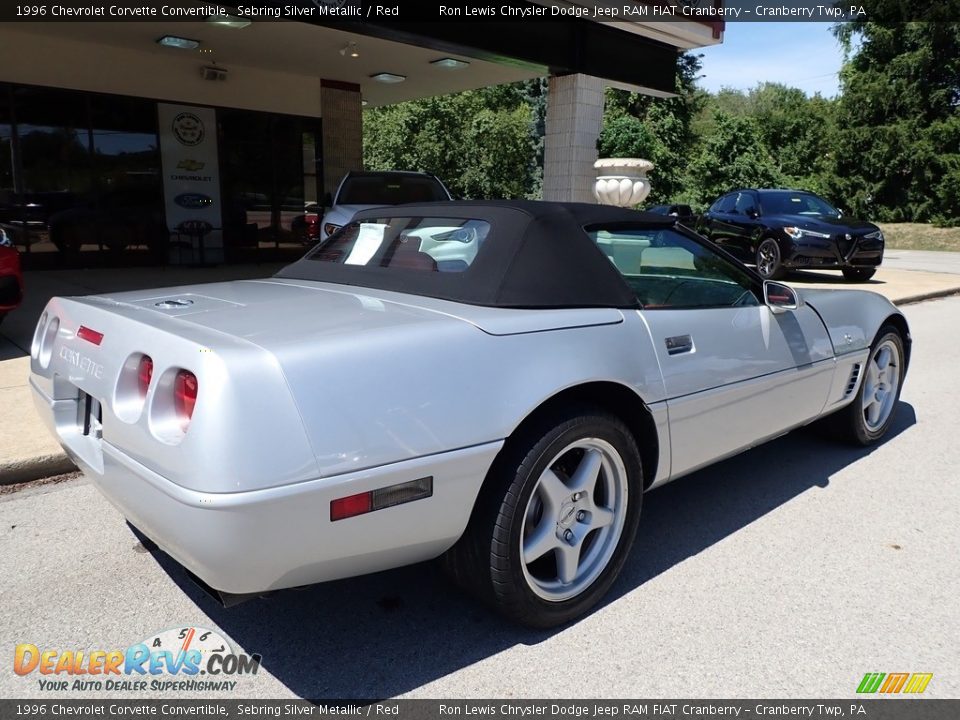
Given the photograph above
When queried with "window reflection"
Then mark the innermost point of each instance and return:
(267, 160)
(88, 179)
(81, 179)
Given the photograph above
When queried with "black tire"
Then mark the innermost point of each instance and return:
(769, 260)
(488, 560)
(859, 274)
(850, 423)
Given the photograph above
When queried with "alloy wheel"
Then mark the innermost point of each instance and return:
(768, 258)
(880, 385)
(574, 519)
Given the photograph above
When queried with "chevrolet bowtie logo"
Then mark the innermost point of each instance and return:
(190, 165)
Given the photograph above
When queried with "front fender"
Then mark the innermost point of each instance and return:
(852, 317)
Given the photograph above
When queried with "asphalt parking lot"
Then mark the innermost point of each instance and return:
(788, 571)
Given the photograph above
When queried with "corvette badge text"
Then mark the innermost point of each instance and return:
(82, 362)
(168, 661)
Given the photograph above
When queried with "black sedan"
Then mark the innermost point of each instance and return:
(780, 230)
(683, 213)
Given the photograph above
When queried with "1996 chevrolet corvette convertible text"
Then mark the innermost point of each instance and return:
(493, 383)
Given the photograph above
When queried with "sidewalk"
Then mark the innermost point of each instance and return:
(28, 452)
(900, 286)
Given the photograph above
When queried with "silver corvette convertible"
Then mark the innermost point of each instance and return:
(494, 384)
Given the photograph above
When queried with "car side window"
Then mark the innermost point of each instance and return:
(724, 204)
(666, 269)
(745, 204)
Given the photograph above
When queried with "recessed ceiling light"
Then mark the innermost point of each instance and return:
(388, 78)
(450, 63)
(229, 21)
(350, 49)
(181, 43)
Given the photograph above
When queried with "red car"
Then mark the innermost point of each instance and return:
(11, 278)
(306, 227)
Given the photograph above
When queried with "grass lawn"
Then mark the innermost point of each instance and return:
(920, 236)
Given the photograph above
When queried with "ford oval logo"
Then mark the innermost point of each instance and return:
(173, 304)
(193, 201)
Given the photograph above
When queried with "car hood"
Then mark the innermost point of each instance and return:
(833, 226)
(342, 214)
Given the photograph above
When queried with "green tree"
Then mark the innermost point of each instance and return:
(480, 143)
(797, 131)
(897, 149)
(733, 156)
(657, 129)
(497, 154)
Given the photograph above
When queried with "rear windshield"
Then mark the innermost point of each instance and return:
(445, 245)
(390, 190)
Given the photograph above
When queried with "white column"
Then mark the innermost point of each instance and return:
(574, 117)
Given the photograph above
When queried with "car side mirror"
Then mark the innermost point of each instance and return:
(779, 297)
(753, 213)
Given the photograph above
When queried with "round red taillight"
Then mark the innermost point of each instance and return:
(185, 396)
(144, 374)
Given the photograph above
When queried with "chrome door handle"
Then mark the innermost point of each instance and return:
(679, 344)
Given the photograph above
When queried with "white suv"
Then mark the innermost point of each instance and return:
(363, 190)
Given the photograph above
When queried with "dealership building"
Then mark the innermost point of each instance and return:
(205, 141)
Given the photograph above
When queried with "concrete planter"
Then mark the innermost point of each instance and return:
(622, 181)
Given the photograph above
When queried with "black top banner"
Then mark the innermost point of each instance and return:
(407, 11)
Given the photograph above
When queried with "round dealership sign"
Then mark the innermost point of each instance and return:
(188, 129)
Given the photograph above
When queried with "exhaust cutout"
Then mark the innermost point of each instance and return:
(227, 600)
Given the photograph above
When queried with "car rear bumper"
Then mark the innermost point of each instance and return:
(813, 253)
(261, 540)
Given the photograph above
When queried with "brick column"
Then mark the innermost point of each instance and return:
(341, 109)
(574, 116)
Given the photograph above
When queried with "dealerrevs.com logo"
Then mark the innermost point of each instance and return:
(188, 659)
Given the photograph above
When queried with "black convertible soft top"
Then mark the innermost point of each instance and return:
(536, 255)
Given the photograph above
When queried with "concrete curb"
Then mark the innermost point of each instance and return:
(936, 294)
(35, 468)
